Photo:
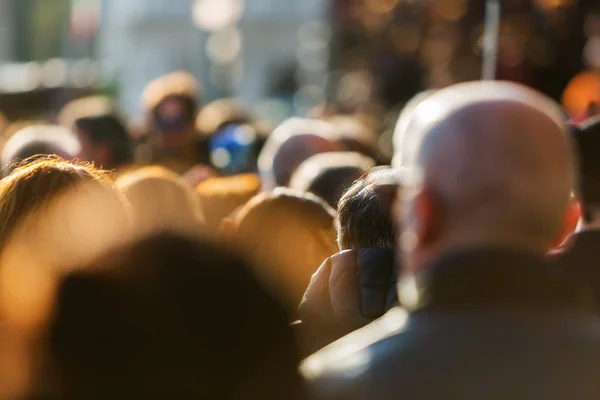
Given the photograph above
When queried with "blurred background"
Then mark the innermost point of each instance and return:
(282, 57)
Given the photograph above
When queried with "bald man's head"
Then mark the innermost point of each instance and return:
(489, 164)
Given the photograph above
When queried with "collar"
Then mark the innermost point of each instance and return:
(494, 278)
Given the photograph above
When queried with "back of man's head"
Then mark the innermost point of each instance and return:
(329, 175)
(587, 142)
(364, 214)
(487, 164)
(291, 143)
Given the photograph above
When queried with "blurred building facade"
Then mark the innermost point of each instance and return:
(141, 39)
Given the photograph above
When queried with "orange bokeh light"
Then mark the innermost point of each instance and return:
(582, 90)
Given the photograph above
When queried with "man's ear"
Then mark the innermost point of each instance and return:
(428, 218)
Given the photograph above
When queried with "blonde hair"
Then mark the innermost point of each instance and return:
(54, 215)
(160, 200)
(287, 234)
(221, 196)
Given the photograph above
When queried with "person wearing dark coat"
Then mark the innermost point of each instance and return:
(357, 285)
(581, 257)
(487, 176)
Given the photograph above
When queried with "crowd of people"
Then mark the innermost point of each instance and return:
(203, 255)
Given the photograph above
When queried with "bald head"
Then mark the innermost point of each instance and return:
(495, 160)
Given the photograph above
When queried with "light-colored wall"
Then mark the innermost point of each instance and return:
(142, 39)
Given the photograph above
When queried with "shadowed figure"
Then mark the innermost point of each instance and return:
(154, 321)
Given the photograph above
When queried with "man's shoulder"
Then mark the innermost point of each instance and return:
(350, 356)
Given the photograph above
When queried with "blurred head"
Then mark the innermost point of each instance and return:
(487, 164)
(404, 121)
(329, 175)
(287, 234)
(220, 113)
(587, 144)
(355, 135)
(38, 140)
(54, 215)
(221, 196)
(168, 317)
(289, 145)
(171, 101)
(365, 213)
(103, 136)
(160, 200)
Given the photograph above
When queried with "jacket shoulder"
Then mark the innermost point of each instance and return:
(349, 356)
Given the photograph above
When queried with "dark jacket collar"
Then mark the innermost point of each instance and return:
(586, 239)
(492, 278)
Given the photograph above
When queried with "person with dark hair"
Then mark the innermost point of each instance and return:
(488, 171)
(104, 138)
(580, 258)
(167, 317)
(357, 285)
(329, 175)
(104, 141)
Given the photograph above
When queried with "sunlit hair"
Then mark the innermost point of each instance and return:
(288, 234)
(35, 184)
(85, 107)
(54, 214)
(160, 200)
(289, 145)
(221, 196)
(35, 140)
(178, 83)
(220, 112)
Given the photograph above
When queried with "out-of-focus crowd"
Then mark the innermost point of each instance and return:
(205, 254)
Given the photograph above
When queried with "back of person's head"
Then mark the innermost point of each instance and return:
(88, 106)
(289, 145)
(219, 113)
(486, 164)
(365, 213)
(38, 140)
(110, 144)
(53, 214)
(221, 196)
(329, 175)
(167, 317)
(160, 200)
(404, 121)
(355, 135)
(587, 143)
(104, 137)
(288, 234)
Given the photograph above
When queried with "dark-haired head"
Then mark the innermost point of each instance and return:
(168, 317)
(364, 214)
(105, 141)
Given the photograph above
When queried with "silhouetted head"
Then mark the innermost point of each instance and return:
(167, 317)
(329, 175)
(289, 145)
